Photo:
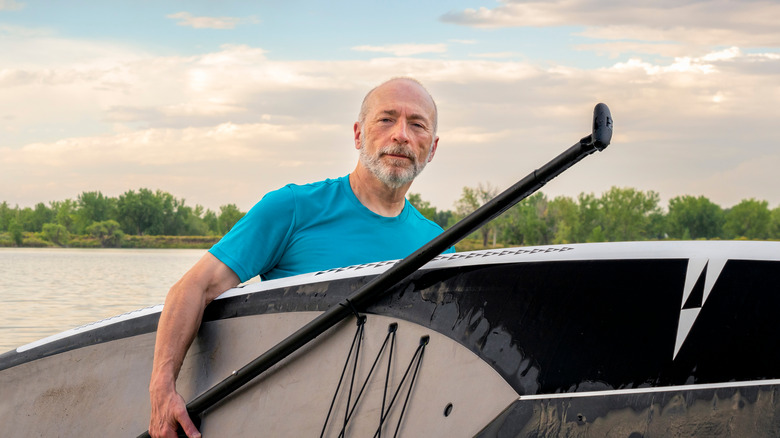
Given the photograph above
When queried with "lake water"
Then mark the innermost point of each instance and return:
(47, 291)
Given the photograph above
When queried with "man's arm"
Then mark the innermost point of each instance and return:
(179, 322)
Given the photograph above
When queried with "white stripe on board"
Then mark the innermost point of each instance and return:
(651, 390)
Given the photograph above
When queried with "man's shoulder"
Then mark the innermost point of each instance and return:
(316, 187)
(293, 193)
(313, 198)
(421, 219)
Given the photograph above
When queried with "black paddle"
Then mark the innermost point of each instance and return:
(596, 141)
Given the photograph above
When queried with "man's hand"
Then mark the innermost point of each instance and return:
(168, 412)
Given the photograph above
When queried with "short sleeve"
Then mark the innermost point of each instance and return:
(256, 243)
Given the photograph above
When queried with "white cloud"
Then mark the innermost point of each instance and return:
(158, 147)
(188, 20)
(404, 49)
(692, 65)
(690, 38)
(666, 28)
(227, 126)
(186, 162)
(752, 178)
(10, 5)
(614, 49)
(723, 14)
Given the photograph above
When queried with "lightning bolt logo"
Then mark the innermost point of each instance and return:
(699, 280)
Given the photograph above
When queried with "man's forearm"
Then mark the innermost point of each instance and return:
(183, 312)
(179, 322)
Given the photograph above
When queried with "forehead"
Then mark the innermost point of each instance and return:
(401, 96)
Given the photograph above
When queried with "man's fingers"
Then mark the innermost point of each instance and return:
(190, 430)
(168, 413)
(187, 425)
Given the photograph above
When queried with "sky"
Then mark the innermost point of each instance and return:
(218, 102)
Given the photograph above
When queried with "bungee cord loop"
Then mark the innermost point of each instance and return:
(355, 347)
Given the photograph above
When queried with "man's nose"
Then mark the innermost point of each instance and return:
(400, 133)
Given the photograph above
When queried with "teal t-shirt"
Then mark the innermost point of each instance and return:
(315, 227)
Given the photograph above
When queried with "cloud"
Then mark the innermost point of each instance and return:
(666, 28)
(158, 147)
(615, 49)
(226, 126)
(183, 161)
(665, 14)
(187, 19)
(10, 5)
(691, 38)
(404, 49)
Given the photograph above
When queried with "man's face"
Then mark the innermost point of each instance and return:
(396, 140)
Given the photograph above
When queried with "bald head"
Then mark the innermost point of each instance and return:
(369, 100)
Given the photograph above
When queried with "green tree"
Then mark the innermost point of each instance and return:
(749, 219)
(471, 199)
(65, 214)
(141, 213)
(108, 232)
(628, 213)
(591, 219)
(228, 216)
(774, 225)
(93, 207)
(466, 204)
(6, 215)
(24, 217)
(563, 218)
(212, 222)
(175, 214)
(40, 215)
(657, 227)
(16, 231)
(596, 235)
(699, 216)
(526, 222)
(194, 223)
(56, 233)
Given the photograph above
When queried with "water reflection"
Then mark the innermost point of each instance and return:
(47, 291)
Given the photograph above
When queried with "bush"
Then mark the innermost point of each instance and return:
(36, 240)
(108, 232)
(56, 234)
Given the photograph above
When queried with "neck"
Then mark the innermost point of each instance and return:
(375, 195)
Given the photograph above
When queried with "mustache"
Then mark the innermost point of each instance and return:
(397, 149)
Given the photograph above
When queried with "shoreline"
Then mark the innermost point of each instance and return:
(35, 240)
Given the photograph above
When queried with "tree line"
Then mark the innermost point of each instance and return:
(620, 214)
(110, 219)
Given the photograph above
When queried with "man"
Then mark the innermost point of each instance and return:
(361, 218)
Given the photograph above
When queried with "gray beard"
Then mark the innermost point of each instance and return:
(390, 175)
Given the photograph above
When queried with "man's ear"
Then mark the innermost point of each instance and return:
(433, 149)
(356, 130)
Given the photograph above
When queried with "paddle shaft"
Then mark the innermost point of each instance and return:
(402, 269)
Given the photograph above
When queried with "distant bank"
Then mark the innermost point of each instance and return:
(35, 240)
